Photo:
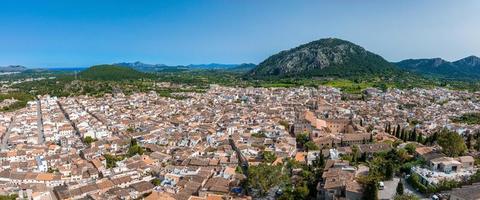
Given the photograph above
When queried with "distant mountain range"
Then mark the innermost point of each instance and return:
(143, 67)
(329, 57)
(162, 67)
(213, 66)
(13, 68)
(466, 68)
(150, 67)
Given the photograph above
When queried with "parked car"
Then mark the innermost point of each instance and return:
(381, 185)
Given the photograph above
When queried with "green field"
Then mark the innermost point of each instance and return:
(21, 97)
(348, 86)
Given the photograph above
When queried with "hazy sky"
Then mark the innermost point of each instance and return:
(85, 32)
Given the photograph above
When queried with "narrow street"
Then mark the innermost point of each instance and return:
(241, 159)
(7, 134)
(41, 136)
(68, 119)
(93, 115)
(243, 163)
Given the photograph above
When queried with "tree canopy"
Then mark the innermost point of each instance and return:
(452, 143)
(264, 177)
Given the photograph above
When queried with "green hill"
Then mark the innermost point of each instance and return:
(112, 73)
(329, 57)
(464, 69)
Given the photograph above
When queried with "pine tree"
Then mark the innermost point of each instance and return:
(319, 162)
(428, 140)
(371, 190)
(469, 141)
(355, 154)
(400, 188)
(404, 135)
(389, 171)
(413, 136)
(397, 133)
(435, 137)
(420, 138)
(363, 158)
(477, 144)
(322, 160)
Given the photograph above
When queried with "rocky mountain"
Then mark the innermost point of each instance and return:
(470, 61)
(466, 68)
(13, 68)
(329, 57)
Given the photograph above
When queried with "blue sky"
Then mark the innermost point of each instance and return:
(61, 33)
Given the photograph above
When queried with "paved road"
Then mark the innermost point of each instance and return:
(41, 136)
(389, 190)
(242, 161)
(68, 119)
(7, 134)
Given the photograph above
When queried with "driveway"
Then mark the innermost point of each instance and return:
(389, 190)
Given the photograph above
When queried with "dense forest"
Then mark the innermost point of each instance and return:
(112, 73)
